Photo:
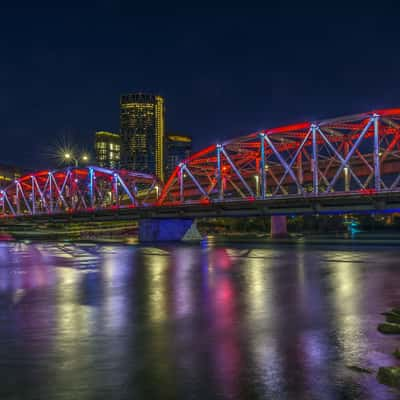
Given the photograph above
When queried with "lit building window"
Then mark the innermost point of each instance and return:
(107, 146)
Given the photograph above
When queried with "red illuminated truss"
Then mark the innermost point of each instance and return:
(77, 189)
(360, 153)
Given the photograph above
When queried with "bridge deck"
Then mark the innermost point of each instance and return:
(284, 205)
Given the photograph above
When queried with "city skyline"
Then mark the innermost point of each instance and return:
(224, 77)
(136, 124)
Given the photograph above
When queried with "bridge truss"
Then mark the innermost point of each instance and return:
(342, 156)
(77, 189)
(332, 159)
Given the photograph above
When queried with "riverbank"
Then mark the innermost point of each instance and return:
(128, 236)
(71, 231)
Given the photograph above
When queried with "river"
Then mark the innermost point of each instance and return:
(102, 321)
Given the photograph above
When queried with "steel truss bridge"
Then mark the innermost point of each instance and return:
(74, 190)
(337, 165)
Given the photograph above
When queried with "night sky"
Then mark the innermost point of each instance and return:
(223, 72)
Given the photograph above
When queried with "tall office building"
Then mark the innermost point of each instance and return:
(142, 133)
(177, 148)
(108, 149)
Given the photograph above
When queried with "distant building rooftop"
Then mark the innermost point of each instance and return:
(179, 138)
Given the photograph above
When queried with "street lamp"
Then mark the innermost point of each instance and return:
(69, 156)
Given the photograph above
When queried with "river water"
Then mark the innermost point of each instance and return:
(90, 321)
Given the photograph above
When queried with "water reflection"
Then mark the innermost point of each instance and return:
(346, 284)
(156, 264)
(181, 273)
(91, 321)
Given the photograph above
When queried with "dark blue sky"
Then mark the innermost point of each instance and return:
(223, 72)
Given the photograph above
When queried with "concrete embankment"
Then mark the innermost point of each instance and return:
(87, 230)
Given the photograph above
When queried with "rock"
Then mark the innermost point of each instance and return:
(360, 369)
(392, 316)
(396, 353)
(392, 311)
(389, 328)
(389, 376)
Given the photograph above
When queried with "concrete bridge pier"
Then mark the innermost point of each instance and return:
(168, 230)
(279, 226)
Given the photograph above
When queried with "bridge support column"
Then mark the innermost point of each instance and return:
(279, 226)
(160, 230)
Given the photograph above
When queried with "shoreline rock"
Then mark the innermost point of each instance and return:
(389, 328)
(392, 316)
(389, 376)
(396, 353)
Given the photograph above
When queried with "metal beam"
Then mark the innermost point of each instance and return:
(341, 159)
(219, 174)
(187, 170)
(289, 167)
(349, 155)
(284, 164)
(181, 189)
(237, 172)
(262, 167)
(315, 159)
(377, 167)
(91, 187)
(33, 195)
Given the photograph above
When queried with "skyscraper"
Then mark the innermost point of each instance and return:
(177, 148)
(108, 149)
(142, 133)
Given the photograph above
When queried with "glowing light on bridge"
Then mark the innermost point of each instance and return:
(77, 190)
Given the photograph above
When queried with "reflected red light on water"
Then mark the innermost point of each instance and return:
(221, 259)
(227, 354)
(224, 292)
